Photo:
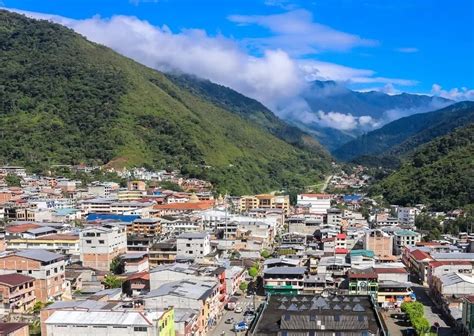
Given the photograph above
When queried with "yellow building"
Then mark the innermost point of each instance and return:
(264, 201)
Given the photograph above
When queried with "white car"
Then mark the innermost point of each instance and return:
(238, 310)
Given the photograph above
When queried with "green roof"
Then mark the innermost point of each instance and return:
(365, 253)
(405, 233)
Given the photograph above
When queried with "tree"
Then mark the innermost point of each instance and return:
(13, 180)
(117, 266)
(243, 286)
(265, 254)
(112, 281)
(253, 271)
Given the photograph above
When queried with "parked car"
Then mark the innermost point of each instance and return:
(249, 313)
(238, 310)
(230, 320)
(241, 326)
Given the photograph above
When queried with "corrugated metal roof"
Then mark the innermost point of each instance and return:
(122, 318)
(40, 255)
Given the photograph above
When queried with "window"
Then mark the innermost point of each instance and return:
(88, 241)
(101, 241)
(140, 329)
(48, 272)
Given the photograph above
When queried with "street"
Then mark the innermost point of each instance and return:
(226, 329)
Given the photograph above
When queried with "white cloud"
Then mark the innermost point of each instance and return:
(297, 32)
(407, 50)
(345, 122)
(454, 94)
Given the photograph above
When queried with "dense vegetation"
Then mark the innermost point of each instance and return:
(439, 174)
(65, 100)
(399, 137)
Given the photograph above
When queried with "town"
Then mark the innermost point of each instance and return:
(157, 253)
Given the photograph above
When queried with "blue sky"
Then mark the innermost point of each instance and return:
(415, 46)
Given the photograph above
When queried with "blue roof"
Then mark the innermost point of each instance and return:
(121, 218)
(352, 198)
(365, 253)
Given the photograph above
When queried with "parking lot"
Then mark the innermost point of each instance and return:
(223, 328)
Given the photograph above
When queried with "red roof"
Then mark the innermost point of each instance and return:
(201, 205)
(389, 270)
(420, 255)
(341, 250)
(142, 275)
(15, 279)
(21, 228)
(341, 236)
(435, 263)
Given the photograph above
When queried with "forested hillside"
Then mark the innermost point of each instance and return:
(439, 173)
(65, 100)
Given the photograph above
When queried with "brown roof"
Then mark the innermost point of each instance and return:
(399, 270)
(201, 205)
(7, 328)
(420, 255)
(15, 279)
(58, 237)
(452, 262)
(21, 228)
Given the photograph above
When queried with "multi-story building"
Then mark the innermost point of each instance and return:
(404, 238)
(163, 252)
(193, 245)
(264, 201)
(46, 267)
(144, 226)
(17, 293)
(334, 216)
(284, 280)
(101, 244)
(317, 203)
(407, 215)
(60, 243)
(379, 242)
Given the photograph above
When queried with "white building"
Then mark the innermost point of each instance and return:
(404, 238)
(318, 203)
(407, 215)
(193, 245)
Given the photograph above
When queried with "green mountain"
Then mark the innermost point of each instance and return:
(439, 173)
(65, 100)
(403, 135)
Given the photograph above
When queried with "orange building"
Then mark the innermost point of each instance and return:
(46, 267)
(18, 292)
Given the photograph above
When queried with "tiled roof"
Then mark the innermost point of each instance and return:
(9, 328)
(452, 262)
(420, 255)
(390, 270)
(201, 205)
(21, 228)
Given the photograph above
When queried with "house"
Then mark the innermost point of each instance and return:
(193, 245)
(46, 267)
(14, 329)
(163, 252)
(201, 296)
(284, 280)
(135, 262)
(17, 293)
(407, 215)
(417, 262)
(101, 244)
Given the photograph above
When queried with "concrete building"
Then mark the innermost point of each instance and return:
(110, 322)
(17, 293)
(284, 280)
(163, 252)
(144, 226)
(317, 203)
(407, 215)
(60, 243)
(101, 244)
(46, 267)
(193, 245)
(135, 262)
(404, 238)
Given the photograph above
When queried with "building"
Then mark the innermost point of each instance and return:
(201, 296)
(407, 215)
(317, 203)
(144, 226)
(135, 262)
(14, 329)
(284, 280)
(468, 315)
(66, 244)
(106, 322)
(163, 252)
(264, 201)
(404, 238)
(136, 185)
(318, 315)
(46, 267)
(379, 242)
(17, 293)
(101, 244)
(193, 245)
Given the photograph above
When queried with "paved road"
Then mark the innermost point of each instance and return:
(431, 312)
(227, 328)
